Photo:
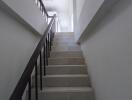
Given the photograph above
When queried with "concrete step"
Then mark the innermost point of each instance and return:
(65, 44)
(80, 80)
(65, 69)
(65, 93)
(66, 48)
(66, 61)
(64, 34)
(66, 54)
(64, 40)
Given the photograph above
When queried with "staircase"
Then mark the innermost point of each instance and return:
(66, 75)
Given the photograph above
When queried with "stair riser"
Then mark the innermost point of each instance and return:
(67, 61)
(57, 33)
(66, 54)
(65, 70)
(65, 96)
(65, 48)
(64, 40)
(64, 35)
(65, 44)
(65, 82)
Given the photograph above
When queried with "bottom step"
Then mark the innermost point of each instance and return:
(66, 93)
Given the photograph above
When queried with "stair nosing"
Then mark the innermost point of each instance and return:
(67, 89)
(66, 52)
(66, 66)
(66, 58)
(66, 76)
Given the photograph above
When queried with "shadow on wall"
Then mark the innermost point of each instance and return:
(98, 20)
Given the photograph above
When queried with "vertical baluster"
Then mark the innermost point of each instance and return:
(41, 82)
(48, 45)
(46, 18)
(52, 35)
(36, 81)
(47, 51)
(51, 38)
(53, 30)
(50, 41)
(29, 89)
(44, 59)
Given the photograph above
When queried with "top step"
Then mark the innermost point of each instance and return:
(67, 33)
(60, 34)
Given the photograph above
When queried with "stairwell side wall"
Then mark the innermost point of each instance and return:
(17, 44)
(108, 53)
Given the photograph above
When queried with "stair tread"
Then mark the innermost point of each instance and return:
(66, 58)
(61, 44)
(66, 52)
(64, 33)
(67, 89)
(66, 61)
(66, 66)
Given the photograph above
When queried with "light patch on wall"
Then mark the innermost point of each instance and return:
(64, 10)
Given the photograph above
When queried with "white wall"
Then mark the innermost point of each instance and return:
(85, 11)
(79, 7)
(26, 11)
(17, 44)
(108, 54)
(64, 9)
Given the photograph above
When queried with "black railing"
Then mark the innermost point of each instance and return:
(42, 53)
(43, 9)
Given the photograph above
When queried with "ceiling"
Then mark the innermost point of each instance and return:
(64, 10)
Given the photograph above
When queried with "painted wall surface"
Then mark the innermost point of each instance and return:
(64, 10)
(108, 54)
(79, 7)
(29, 12)
(86, 10)
(17, 44)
